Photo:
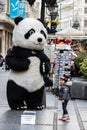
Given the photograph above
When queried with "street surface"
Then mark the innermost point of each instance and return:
(47, 119)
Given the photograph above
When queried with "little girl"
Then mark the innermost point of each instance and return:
(64, 96)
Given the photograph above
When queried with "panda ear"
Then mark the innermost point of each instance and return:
(40, 21)
(17, 20)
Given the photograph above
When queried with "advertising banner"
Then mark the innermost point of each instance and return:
(17, 8)
(22, 9)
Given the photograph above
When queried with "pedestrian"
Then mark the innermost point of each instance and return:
(64, 96)
(1, 60)
(3, 64)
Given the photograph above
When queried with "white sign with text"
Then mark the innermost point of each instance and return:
(28, 117)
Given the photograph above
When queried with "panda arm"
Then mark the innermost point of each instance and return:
(45, 67)
(15, 63)
(45, 64)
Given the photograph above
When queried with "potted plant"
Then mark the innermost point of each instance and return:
(83, 68)
(80, 57)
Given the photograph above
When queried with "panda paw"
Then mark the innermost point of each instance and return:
(22, 108)
(40, 107)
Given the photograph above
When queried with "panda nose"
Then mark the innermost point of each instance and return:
(39, 39)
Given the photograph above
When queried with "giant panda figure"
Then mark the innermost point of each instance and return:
(28, 64)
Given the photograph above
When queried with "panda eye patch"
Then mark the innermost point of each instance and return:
(43, 33)
(30, 32)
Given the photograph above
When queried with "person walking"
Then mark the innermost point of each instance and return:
(64, 96)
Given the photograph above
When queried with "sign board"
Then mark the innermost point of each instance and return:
(17, 8)
(28, 117)
(13, 8)
(22, 9)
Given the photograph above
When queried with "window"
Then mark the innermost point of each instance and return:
(85, 23)
(85, 10)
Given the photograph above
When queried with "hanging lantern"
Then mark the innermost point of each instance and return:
(31, 2)
(50, 2)
(68, 41)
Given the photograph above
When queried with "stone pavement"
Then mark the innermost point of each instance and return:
(46, 119)
(76, 115)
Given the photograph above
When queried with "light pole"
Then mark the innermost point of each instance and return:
(42, 10)
(60, 16)
(52, 11)
(73, 11)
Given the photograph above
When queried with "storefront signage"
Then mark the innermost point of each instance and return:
(17, 8)
(22, 9)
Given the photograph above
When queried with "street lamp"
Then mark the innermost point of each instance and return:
(52, 11)
(42, 10)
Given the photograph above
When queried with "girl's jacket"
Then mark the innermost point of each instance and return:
(64, 92)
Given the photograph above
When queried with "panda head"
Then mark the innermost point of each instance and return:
(29, 33)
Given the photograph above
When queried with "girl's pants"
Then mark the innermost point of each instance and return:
(64, 105)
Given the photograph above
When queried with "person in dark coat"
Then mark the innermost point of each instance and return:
(1, 60)
(64, 96)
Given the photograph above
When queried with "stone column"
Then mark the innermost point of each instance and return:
(3, 43)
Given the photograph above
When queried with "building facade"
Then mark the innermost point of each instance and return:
(73, 13)
(6, 27)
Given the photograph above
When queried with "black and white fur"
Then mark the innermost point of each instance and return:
(28, 64)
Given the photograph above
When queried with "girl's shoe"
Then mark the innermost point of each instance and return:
(64, 118)
(61, 118)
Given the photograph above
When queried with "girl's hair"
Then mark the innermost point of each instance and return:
(65, 78)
